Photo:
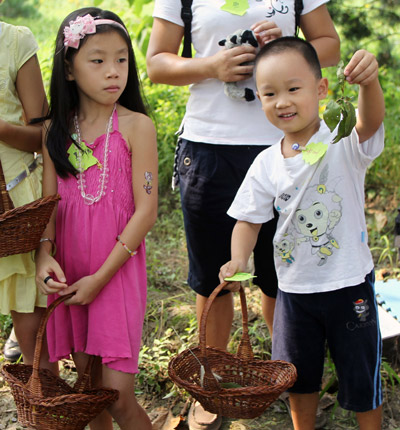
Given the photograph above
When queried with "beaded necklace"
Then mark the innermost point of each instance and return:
(90, 199)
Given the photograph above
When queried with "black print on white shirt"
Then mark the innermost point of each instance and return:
(284, 197)
(276, 6)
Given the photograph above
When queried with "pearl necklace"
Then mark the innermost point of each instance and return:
(89, 199)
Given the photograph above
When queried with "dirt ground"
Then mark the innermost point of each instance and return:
(171, 414)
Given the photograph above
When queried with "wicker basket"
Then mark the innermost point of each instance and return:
(21, 228)
(44, 401)
(259, 382)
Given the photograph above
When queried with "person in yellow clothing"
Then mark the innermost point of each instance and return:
(22, 98)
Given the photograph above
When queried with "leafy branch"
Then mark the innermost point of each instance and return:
(340, 113)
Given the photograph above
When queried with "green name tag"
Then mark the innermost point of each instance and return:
(314, 151)
(236, 7)
(87, 158)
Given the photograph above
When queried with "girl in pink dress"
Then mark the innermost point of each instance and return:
(100, 155)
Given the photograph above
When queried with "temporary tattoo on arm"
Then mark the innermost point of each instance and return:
(149, 182)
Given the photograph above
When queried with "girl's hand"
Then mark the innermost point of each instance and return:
(86, 290)
(362, 68)
(47, 266)
(265, 31)
(227, 64)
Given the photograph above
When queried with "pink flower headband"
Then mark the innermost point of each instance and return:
(82, 26)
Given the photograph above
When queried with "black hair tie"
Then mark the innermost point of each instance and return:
(46, 279)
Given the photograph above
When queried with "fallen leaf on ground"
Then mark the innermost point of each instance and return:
(158, 417)
(172, 422)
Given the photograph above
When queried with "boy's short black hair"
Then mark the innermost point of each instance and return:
(287, 43)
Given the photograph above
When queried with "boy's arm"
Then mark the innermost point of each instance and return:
(244, 239)
(363, 70)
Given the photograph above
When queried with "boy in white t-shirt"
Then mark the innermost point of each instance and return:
(324, 266)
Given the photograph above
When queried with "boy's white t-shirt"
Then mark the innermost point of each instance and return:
(321, 242)
(211, 116)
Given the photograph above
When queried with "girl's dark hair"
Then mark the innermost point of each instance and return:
(284, 44)
(64, 99)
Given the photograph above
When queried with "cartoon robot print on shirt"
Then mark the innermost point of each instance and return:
(316, 219)
(284, 248)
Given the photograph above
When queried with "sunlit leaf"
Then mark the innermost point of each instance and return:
(240, 277)
(332, 115)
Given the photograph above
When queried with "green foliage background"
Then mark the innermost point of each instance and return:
(364, 24)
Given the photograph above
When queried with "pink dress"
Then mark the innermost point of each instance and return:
(111, 326)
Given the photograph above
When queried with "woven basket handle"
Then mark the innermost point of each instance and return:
(244, 352)
(34, 384)
(5, 201)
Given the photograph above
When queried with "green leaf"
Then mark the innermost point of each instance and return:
(351, 117)
(341, 128)
(332, 115)
(240, 276)
(348, 120)
(314, 151)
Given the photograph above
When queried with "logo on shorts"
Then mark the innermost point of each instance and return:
(361, 309)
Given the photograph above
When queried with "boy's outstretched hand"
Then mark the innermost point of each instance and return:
(228, 270)
(362, 68)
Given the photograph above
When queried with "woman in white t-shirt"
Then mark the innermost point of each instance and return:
(220, 136)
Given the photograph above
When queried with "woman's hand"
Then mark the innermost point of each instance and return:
(86, 290)
(265, 31)
(227, 64)
(46, 268)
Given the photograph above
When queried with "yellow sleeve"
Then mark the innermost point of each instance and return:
(26, 46)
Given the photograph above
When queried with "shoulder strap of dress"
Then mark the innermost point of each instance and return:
(115, 120)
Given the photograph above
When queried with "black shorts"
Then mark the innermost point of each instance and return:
(345, 319)
(209, 177)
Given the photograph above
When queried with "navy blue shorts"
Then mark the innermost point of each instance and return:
(209, 177)
(345, 319)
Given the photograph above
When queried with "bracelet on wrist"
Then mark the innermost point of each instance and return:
(53, 245)
(131, 253)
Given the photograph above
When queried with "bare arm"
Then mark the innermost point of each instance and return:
(46, 265)
(165, 66)
(31, 93)
(244, 239)
(363, 70)
(318, 29)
